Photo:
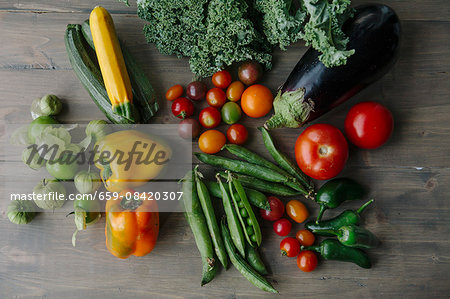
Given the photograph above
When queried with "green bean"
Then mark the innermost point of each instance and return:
(233, 183)
(263, 186)
(256, 198)
(236, 230)
(211, 220)
(197, 222)
(243, 167)
(242, 266)
(254, 260)
(284, 161)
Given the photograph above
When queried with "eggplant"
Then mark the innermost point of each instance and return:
(312, 89)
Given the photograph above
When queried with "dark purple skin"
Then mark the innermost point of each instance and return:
(196, 90)
(374, 33)
(189, 128)
(250, 72)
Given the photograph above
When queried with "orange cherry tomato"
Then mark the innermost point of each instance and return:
(297, 211)
(174, 92)
(305, 237)
(235, 90)
(257, 100)
(221, 79)
(237, 134)
(211, 141)
(216, 97)
(307, 261)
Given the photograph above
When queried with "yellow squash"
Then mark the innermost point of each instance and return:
(112, 65)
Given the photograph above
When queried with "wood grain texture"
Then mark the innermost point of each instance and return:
(409, 177)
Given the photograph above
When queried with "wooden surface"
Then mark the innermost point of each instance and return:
(409, 177)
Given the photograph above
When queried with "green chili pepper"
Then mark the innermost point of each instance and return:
(355, 236)
(331, 249)
(333, 193)
(348, 217)
(246, 270)
(232, 218)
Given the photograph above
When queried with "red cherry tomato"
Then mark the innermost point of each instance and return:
(221, 79)
(321, 151)
(276, 209)
(210, 117)
(282, 227)
(237, 134)
(307, 261)
(290, 247)
(174, 92)
(182, 108)
(216, 97)
(369, 125)
(305, 237)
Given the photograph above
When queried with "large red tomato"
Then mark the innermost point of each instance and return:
(369, 125)
(321, 151)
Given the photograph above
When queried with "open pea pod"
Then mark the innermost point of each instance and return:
(250, 225)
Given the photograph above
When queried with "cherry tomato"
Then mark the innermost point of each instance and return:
(235, 90)
(216, 97)
(237, 134)
(297, 211)
(189, 128)
(305, 237)
(211, 141)
(221, 79)
(209, 117)
(250, 72)
(174, 92)
(290, 247)
(257, 100)
(231, 113)
(182, 108)
(276, 209)
(321, 151)
(369, 125)
(307, 261)
(282, 227)
(196, 90)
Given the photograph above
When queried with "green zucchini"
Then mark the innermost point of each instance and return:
(88, 73)
(143, 93)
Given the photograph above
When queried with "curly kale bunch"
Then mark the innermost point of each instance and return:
(216, 33)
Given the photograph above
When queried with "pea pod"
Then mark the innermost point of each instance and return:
(284, 161)
(348, 217)
(334, 192)
(250, 225)
(331, 249)
(241, 265)
(232, 218)
(263, 186)
(87, 211)
(355, 236)
(254, 260)
(211, 220)
(197, 222)
(255, 197)
(257, 171)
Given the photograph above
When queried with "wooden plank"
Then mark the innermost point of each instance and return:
(433, 10)
(39, 260)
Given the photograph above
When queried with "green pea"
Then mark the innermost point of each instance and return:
(253, 237)
(243, 213)
(249, 221)
(250, 231)
(241, 204)
(236, 196)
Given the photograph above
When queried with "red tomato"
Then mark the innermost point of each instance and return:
(321, 151)
(297, 211)
(216, 97)
(182, 108)
(276, 209)
(305, 237)
(174, 92)
(282, 227)
(369, 125)
(221, 79)
(290, 247)
(211, 141)
(307, 261)
(237, 134)
(210, 117)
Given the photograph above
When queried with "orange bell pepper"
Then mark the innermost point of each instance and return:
(132, 226)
